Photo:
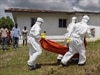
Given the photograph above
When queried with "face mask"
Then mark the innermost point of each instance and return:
(41, 24)
(84, 20)
(73, 21)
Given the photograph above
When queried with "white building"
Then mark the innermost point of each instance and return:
(55, 22)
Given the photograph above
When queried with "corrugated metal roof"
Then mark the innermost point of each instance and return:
(45, 11)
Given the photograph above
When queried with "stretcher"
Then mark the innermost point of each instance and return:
(56, 47)
(53, 46)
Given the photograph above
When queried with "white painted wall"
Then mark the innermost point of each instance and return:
(51, 22)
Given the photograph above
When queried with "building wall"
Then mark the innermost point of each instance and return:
(95, 23)
(51, 21)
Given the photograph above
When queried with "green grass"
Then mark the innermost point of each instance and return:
(14, 62)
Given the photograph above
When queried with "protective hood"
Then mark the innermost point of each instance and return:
(39, 19)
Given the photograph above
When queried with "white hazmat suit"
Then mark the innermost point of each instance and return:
(34, 45)
(76, 45)
(74, 19)
(70, 26)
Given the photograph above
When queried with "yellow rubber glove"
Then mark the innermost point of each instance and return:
(43, 35)
(67, 40)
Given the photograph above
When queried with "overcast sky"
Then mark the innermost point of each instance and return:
(59, 5)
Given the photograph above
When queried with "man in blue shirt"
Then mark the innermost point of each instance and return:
(16, 34)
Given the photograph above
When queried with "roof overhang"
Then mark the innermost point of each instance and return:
(46, 11)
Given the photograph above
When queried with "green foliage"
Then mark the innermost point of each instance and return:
(6, 21)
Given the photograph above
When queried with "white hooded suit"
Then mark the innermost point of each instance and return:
(77, 34)
(34, 45)
(70, 26)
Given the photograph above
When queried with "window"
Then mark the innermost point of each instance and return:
(62, 23)
(33, 20)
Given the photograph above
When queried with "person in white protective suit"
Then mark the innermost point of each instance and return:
(73, 21)
(34, 45)
(76, 36)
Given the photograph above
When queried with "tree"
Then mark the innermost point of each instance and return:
(7, 21)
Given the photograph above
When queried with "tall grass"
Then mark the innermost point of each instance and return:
(14, 62)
